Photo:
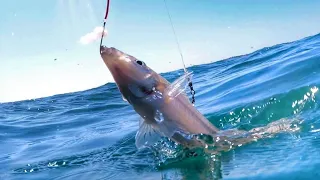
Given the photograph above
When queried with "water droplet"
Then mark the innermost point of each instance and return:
(54, 164)
(294, 104)
(218, 139)
(314, 90)
(159, 116)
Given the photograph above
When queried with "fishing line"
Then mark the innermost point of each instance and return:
(176, 37)
(193, 92)
(104, 22)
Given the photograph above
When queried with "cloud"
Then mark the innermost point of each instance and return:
(93, 36)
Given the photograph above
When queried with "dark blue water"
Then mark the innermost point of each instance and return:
(90, 134)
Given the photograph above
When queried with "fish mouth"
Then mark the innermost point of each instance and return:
(105, 50)
(116, 65)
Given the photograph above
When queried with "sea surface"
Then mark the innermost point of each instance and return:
(90, 134)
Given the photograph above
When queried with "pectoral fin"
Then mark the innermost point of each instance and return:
(178, 86)
(146, 135)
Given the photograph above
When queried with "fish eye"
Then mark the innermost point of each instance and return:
(140, 62)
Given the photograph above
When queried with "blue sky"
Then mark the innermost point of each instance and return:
(35, 32)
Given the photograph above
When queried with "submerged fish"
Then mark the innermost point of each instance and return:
(164, 108)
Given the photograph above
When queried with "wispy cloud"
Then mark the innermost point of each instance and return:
(93, 36)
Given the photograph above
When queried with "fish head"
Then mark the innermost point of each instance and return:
(134, 78)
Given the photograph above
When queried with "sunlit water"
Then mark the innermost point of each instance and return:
(90, 134)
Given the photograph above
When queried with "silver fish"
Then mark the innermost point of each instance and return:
(164, 108)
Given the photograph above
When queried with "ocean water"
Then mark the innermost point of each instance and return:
(90, 134)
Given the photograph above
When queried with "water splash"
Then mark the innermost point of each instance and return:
(167, 151)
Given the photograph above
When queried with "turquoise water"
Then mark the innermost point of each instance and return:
(90, 134)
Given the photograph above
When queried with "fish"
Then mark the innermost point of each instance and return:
(164, 107)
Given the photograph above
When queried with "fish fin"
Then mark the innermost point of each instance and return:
(146, 135)
(179, 85)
